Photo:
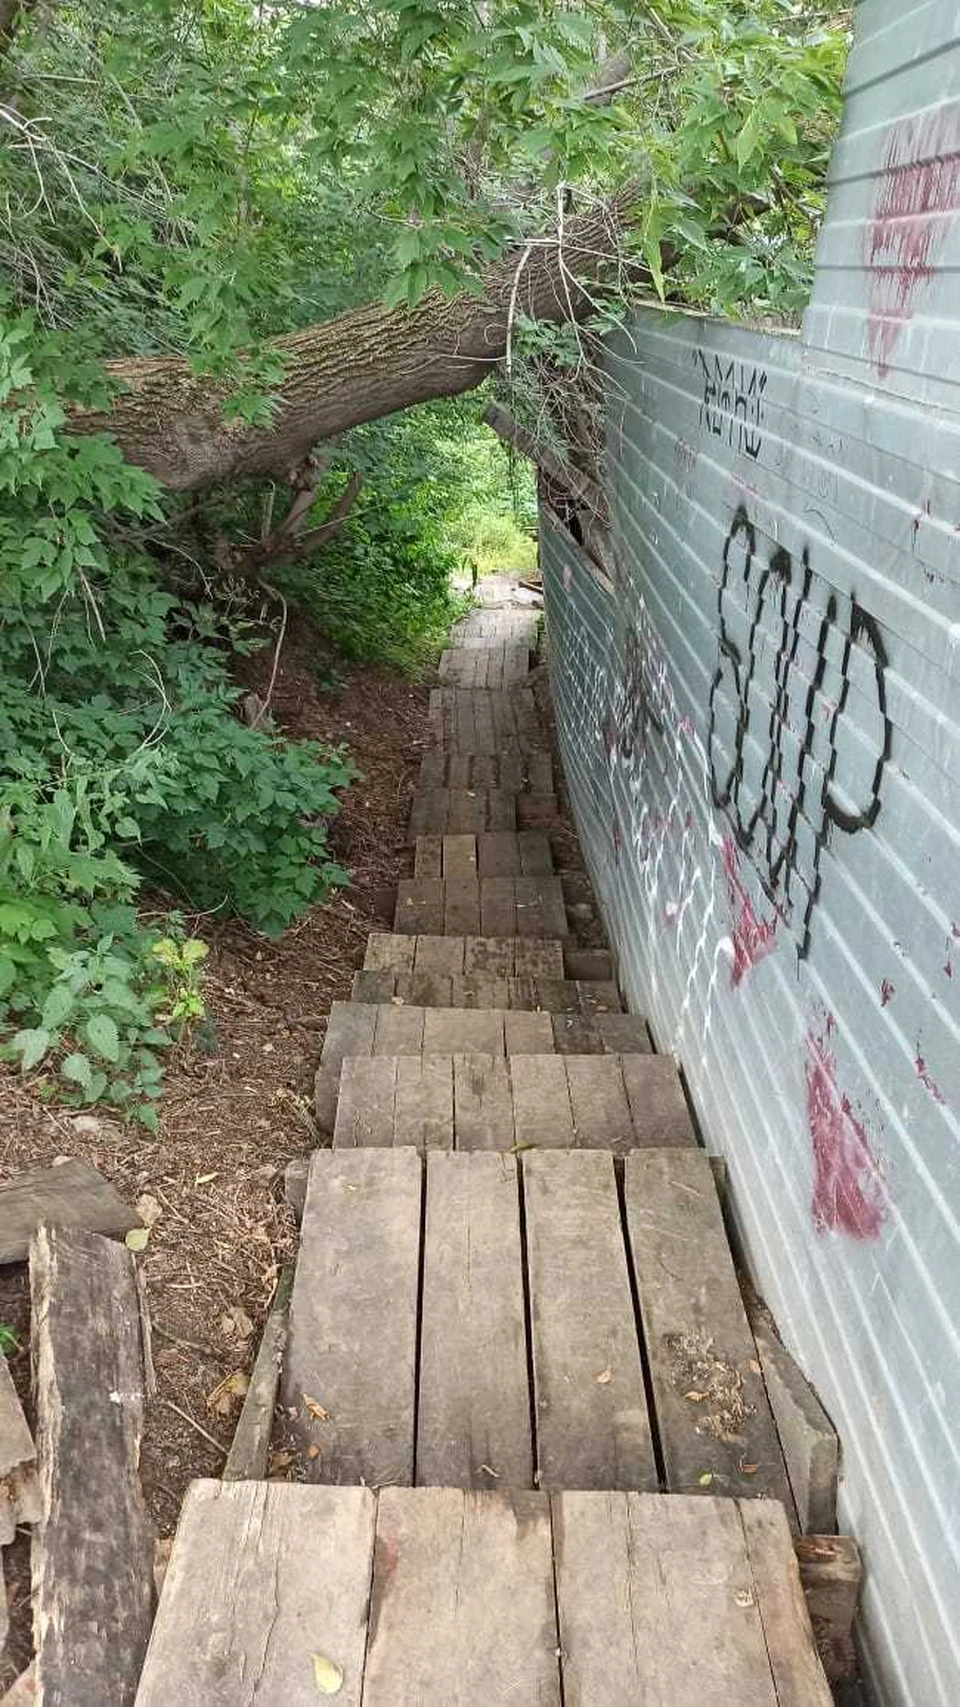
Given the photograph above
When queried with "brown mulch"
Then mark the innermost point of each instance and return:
(233, 1115)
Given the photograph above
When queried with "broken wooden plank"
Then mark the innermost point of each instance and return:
(657, 1604)
(798, 1676)
(19, 1485)
(716, 1429)
(220, 1639)
(70, 1194)
(92, 1558)
(591, 1414)
(473, 1419)
(250, 1451)
(462, 1602)
(350, 1367)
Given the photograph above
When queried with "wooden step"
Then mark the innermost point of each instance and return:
(498, 665)
(504, 957)
(520, 772)
(479, 720)
(499, 853)
(470, 1101)
(390, 1028)
(389, 1238)
(485, 990)
(472, 811)
(436, 1597)
(488, 627)
(481, 906)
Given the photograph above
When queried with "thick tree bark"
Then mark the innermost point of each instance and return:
(363, 365)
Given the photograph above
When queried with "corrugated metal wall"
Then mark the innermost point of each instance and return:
(761, 730)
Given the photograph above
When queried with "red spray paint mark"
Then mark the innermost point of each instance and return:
(753, 938)
(887, 992)
(928, 1083)
(955, 930)
(849, 1195)
(685, 726)
(921, 179)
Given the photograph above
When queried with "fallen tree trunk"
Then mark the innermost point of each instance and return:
(365, 364)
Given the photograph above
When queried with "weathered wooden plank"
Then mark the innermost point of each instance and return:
(386, 950)
(447, 1031)
(587, 963)
(428, 857)
(462, 1607)
(351, 1028)
(425, 989)
(439, 953)
(489, 954)
(601, 997)
(399, 1029)
(541, 1101)
(575, 1034)
(263, 1576)
(798, 1676)
(19, 1486)
(351, 1349)
(716, 1430)
(423, 1113)
(374, 986)
(429, 813)
(601, 1112)
(535, 811)
(473, 1418)
(498, 854)
(498, 907)
(468, 812)
(536, 856)
(623, 1034)
(526, 1033)
(419, 907)
(483, 1105)
(459, 856)
(657, 1103)
(479, 990)
(250, 1450)
(541, 910)
(461, 906)
(70, 1194)
(591, 1414)
(93, 1547)
(501, 809)
(831, 1575)
(657, 1605)
(538, 957)
(558, 995)
(365, 1110)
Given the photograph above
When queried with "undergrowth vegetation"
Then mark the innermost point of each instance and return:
(192, 181)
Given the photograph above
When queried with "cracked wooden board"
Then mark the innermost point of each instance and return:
(442, 1597)
(93, 1545)
(70, 1194)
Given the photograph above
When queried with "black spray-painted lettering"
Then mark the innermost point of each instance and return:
(793, 712)
(732, 404)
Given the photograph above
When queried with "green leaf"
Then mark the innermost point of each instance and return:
(749, 136)
(102, 1035)
(137, 1239)
(77, 1068)
(31, 1045)
(57, 1006)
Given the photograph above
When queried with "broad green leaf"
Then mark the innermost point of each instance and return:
(102, 1035)
(32, 1046)
(749, 136)
(77, 1068)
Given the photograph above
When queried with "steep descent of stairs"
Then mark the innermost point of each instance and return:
(531, 1456)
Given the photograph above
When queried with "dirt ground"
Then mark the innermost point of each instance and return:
(211, 1180)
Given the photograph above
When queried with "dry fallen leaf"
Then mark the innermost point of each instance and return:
(605, 1376)
(695, 1396)
(313, 1451)
(226, 1393)
(315, 1408)
(148, 1209)
(743, 1597)
(204, 1179)
(235, 1323)
(705, 1480)
(754, 1365)
(280, 1461)
(327, 1676)
(749, 1469)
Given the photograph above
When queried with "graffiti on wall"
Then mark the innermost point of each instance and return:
(781, 716)
(849, 1193)
(918, 189)
(731, 407)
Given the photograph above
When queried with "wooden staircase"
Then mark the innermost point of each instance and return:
(530, 1454)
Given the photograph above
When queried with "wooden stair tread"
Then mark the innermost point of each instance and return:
(481, 906)
(505, 957)
(530, 773)
(497, 665)
(481, 720)
(389, 1238)
(495, 853)
(480, 1599)
(485, 990)
(467, 1101)
(397, 1029)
